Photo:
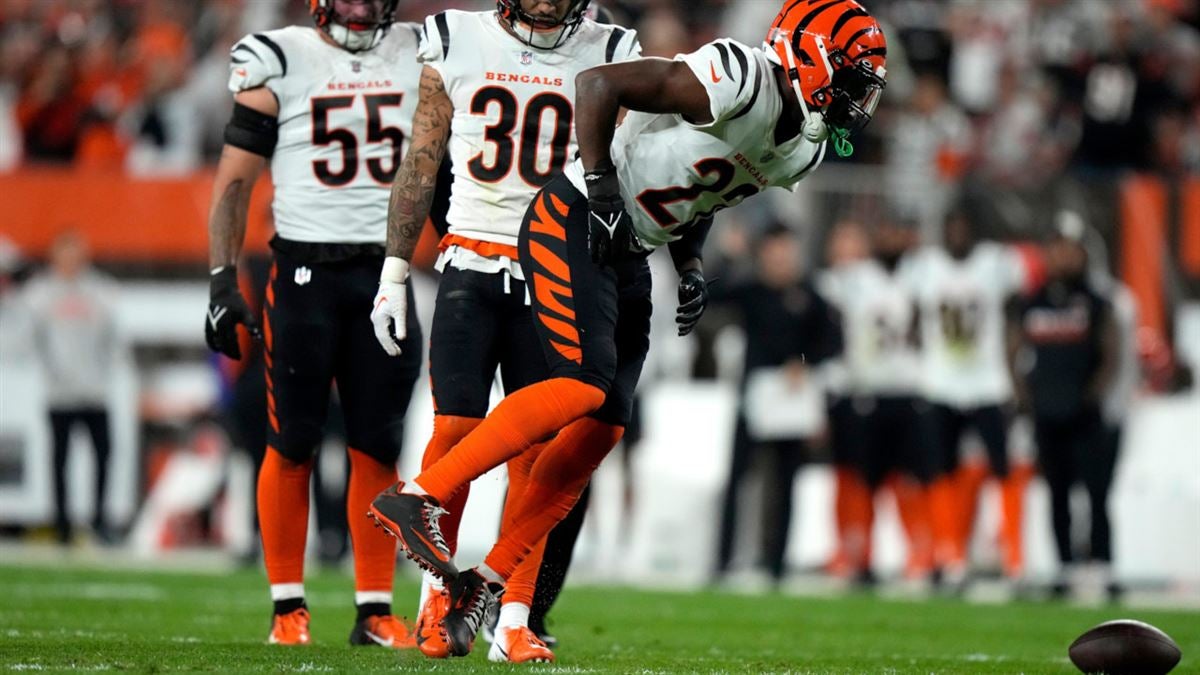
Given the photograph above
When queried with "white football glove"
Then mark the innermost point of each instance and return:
(390, 313)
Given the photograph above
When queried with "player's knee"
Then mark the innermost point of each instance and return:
(298, 441)
(381, 441)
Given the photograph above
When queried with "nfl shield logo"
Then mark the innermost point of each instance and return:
(526, 58)
(303, 276)
(356, 66)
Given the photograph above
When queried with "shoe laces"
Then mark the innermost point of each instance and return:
(293, 622)
(432, 513)
(477, 607)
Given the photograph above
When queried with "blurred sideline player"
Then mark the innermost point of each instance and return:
(496, 92)
(882, 363)
(331, 108)
(707, 130)
(962, 290)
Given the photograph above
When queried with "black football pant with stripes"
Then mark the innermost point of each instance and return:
(316, 336)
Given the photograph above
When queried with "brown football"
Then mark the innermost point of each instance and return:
(1125, 647)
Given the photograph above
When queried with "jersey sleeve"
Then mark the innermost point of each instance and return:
(623, 45)
(434, 46)
(730, 74)
(256, 61)
(1013, 273)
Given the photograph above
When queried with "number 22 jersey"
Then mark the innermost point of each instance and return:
(344, 121)
(514, 114)
(674, 172)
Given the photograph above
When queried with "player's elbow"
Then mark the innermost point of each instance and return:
(593, 83)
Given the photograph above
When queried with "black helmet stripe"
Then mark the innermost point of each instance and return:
(812, 16)
(877, 51)
(844, 19)
(859, 33)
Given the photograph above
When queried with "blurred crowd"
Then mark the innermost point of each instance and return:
(1011, 91)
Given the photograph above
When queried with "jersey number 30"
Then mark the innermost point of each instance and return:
(323, 135)
(500, 135)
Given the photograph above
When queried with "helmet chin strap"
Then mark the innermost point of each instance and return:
(814, 128)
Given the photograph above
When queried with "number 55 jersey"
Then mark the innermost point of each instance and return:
(514, 116)
(344, 119)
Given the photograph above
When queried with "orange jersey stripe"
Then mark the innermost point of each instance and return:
(552, 263)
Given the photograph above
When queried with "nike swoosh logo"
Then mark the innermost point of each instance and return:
(436, 551)
(382, 300)
(215, 314)
(716, 78)
(378, 640)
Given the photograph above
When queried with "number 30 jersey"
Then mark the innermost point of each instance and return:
(674, 172)
(344, 119)
(514, 113)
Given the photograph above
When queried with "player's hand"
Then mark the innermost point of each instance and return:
(390, 313)
(610, 230)
(693, 300)
(226, 309)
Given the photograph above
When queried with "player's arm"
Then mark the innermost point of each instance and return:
(687, 252)
(250, 139)
(650, 85)
(1106, 370)
(1014, 343)
(409, 206)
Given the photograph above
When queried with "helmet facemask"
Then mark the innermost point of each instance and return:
(538, 32)
(357, 33)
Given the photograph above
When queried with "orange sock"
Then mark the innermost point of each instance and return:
(912, 503)
(374, 550)
(448, 430)
(970, 483)
(523, 582)
(523, 418)
(839, 561)
(1012, 491)
(559, 475)
(283, 516)
(860, 512)
(943, 506)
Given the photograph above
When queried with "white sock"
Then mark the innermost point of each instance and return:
(489, 574)
(372, 597)
(412, 487)
(287, 591)
(513, 615)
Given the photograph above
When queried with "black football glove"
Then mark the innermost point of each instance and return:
(226, 309)
(610, 230)
(693, 300)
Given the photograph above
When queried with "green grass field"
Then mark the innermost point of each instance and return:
(60, 619)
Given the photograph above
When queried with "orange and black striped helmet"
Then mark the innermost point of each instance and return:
(836, 56)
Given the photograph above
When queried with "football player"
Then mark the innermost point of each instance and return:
(882, 370)
(963, 289)
(330, 107)
(706, 130)
(496, 96)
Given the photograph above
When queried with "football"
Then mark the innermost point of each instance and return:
(1125, 647)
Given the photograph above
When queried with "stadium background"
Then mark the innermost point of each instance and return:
(111, 114)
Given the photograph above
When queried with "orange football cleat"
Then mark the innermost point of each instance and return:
(290, 628)
(430, 631)
(518, 644)
(385, 631)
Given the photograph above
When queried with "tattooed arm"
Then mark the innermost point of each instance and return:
(237, 172)
(413, 188)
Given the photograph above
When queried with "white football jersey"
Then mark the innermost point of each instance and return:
(673, 172)
(963, 321)
(881, 355)
(514, 112)
(344, 122)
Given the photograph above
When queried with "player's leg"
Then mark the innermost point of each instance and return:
(992, 425)
(96, 422)
(569, 293)
(1054, 457)
(945, 427)
(556, 561)
(912, 484)
(375, 391)
(299, 336)
(777, 507)
(860, 513)
(742, 453)
(60, 431)
(1098, 477)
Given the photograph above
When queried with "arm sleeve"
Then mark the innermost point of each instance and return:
(691, 244)
(730, 74)
(256, 61)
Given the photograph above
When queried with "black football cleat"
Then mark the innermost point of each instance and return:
(413, 519)
(470, 597)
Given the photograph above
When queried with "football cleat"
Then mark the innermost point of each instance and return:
(537, 624)
(431, 630)
(413, 519)
(470, 595)
(385, 631)
(518, 644)
(290, 628)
